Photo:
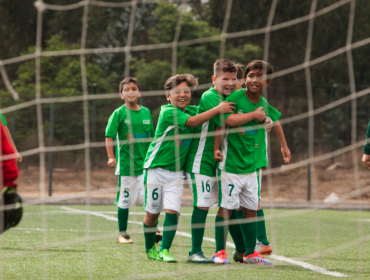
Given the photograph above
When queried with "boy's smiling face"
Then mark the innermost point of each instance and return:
(256, 81)
(225, 83)
(130, 92)
(179, 96)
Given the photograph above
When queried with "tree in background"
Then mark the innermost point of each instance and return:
(60, 76)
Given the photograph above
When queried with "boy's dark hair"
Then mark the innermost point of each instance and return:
(240, 71)
(224, 66)
(128, 80)
(174, 81)
(258, 64)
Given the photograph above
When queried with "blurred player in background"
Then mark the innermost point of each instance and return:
(165, 160)
(132, 126)
(18, 157)
(10, 202)
(366, 155)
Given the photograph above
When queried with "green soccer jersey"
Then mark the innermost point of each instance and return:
(133, 131)
(200, 159)
(238, 145)
(261, 136)
(3, 118)
(172, 139)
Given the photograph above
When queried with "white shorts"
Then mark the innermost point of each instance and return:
(259, 181)
(204, 190)
(238, 190)
(130, 188)
(163, 190)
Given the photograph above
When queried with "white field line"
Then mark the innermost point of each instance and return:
(104, 212)
(229, 244)
(28, 230)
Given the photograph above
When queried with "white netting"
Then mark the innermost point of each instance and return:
(313, 154)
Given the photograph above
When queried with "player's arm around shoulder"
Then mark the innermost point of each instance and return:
(223, 108)
(234, 120)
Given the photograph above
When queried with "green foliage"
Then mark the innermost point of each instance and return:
(195, 59)
(60, 77)
(244, 54)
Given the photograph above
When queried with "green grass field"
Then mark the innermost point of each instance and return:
(79, 242)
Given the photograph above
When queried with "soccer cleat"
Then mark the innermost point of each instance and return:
(256, 258)
(198, 257)
(165, 256)
(158, 237)
(152, 253)
(124, 239)
(220, 257)
(263, 249)
(237, 256)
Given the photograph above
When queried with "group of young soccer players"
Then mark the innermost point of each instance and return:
(219, 147)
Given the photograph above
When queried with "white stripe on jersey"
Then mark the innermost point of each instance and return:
(157, 146)
(201, 145)
(266, 142)
(224, 152)
(118, 167)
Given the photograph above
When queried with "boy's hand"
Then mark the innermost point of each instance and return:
(366, 160)
(111, 162)
(286, 154)
(268, 124)
(259, 114)
(218, 156)
(226, 107)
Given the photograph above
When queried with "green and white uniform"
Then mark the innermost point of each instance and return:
(236, 175)
(133, 131)
(166, 155)
(261, 158)
(200, 165)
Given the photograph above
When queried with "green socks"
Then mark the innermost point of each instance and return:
(236, 231)
(249, 233)
(169, 230)
(149, 236)
(261, 228)
(221, 233)
(122, 215)
(198, 221)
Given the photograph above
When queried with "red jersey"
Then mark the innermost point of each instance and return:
(9, 169)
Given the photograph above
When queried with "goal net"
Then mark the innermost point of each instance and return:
(58, 92)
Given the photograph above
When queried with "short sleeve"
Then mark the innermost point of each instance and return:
(174, 116)
(273, 113)
(209, 102)
(112, 126)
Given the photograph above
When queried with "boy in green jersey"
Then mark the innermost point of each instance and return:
(366, 155)
(18, 157)
(234, 226)
(132, 126)
(165, 160)
(200, 164)
(256, 81)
